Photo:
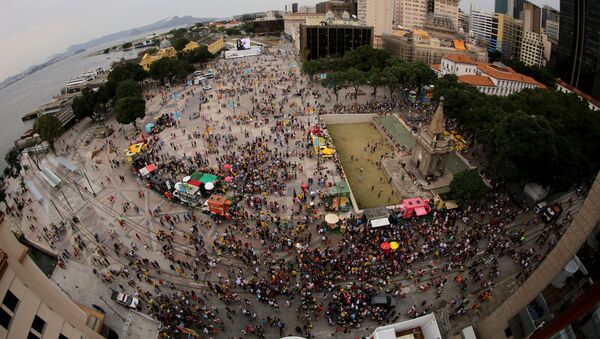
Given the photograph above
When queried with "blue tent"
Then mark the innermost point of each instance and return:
(149, 127)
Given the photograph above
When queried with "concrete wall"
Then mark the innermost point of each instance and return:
(333, 119)
(37, 296)
(575, 236)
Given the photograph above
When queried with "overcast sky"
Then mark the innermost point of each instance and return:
(33, 30)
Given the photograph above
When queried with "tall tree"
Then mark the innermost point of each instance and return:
(375, 79)
(83, 105)
(128, 88)
(48, 127)
(335, 81)
(355, 78)
(467, 186)
(129, 109)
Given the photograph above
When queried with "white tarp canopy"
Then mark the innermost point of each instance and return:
(34, 190)
(67, 164)
(380, 222)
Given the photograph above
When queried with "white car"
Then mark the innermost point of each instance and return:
(125, 300)
(206, 87)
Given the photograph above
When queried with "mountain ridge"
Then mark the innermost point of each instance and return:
(168, 22)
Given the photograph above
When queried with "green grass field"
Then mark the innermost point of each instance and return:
(350, 141)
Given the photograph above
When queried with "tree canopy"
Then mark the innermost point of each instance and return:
(48, 127)
(535, 135)
(84, 104)
(129, 109)
(467, 186)
(169, 69)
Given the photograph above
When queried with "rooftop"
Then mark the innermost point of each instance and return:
(577, 91)
(476, 80)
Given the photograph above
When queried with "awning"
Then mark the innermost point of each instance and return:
(34, 191)
(420, 211)
(147, 170)
(67, 164)
(206, 178)
(194, 182)
(380, 222)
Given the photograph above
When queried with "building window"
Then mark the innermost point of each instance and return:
(38, 324)
(5, 318)
(10, 301)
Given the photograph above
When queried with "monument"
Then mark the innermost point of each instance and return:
(432, 146)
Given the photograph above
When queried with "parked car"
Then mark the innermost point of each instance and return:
(206, 87)
(386, 301)
(125, 300)
(550, 213)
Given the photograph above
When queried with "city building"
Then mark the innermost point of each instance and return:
(552, 29)
(419, 45)
(593, 103)
(295, 7)
(504, 7)
(424, 327)
(32, 305)
(480, 27)
(292, 22)
(337, 7)
(517, 8)
(149, 59)
(332, 39)
(578, 51)
(439, 15)
(510, 34)
(410, 13)
(531, 15)
(192, 45)
(214, 43)
(432, 147)
(549, 13)
(561, 297)
(378, 14)
(463, 22)
(492, 79)
(532, 49)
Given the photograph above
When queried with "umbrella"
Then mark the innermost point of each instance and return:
(228, 179)
(226, 166)
(304, 185)
(186, 178)
(209, 185)
(149, 127)
(394, 245)
(385, 246)
(331, 218)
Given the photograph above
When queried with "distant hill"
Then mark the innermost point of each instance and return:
(174, 21)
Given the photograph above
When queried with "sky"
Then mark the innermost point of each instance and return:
(33, 30)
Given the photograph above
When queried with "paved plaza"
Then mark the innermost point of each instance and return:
(277, 264)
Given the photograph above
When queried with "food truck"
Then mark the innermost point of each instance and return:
(217, 205)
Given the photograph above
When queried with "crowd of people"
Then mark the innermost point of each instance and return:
(276, 248)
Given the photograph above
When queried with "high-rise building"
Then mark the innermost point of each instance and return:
(511, 36)
(552, 29)
(532, 49)
(578, 53)
(411, 13)
(501, 6)
(378, 14)
(549, 13)
(337, 7)
(517, 8)
(442, 14)
(531, 15)
(332, 39)
(480, 25)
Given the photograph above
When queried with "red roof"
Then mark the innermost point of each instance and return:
(476, 80)
(507, 73)
(461, 59)
(577, 91)
(436, 67)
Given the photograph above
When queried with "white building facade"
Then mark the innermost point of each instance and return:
(491, 79)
